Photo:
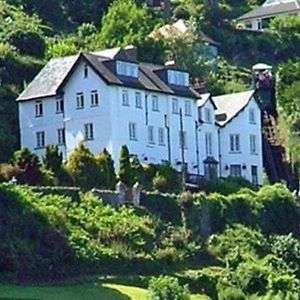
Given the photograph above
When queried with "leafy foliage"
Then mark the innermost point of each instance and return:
(165, 287)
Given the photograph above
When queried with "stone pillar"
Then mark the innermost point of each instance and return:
(121, 189)
(136, 193)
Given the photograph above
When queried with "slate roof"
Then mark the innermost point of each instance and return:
(272, 10)
(231, 105)
(47, 81)
(51, 79)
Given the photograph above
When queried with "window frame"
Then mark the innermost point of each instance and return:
(187, 108)
(253, 144)
(85, 71)
(151, 135)
(155, 103)
(138, 100)
(39, 109)
(125, 98)
(208, 144)
(61, 136)
(94, 98)
(40, 139)
(234, 143)
(175, 106)
(89, 132)
(80, 100)
(252, 119)
(132, 131)
(60, 105)
(208, 115)
(161, 136)
(233, 168)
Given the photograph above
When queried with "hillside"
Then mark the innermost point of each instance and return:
(32, 32)
(250, 247)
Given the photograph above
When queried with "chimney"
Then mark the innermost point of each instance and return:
(131, 52)
(170, 63)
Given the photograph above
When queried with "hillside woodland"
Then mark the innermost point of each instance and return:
(32, 32)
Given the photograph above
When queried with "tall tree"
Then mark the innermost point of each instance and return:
(126, 173)
(125, 23)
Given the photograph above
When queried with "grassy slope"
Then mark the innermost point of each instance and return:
(86, 291)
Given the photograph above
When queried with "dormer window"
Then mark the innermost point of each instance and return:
(127, 69)
(178, 78)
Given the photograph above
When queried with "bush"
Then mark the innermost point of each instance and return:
(84, 168)
(228, 185)
(231, 294)
(164, 206)
(160, 183)
(278, 213)
(28, 165)
(167, 288)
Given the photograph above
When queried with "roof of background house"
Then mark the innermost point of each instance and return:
(272, 9)
(178, 28)
(204, 98)
(55, 74)
(231, 105)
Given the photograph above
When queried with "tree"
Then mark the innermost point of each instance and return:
(52, 159)
(28, 165)
(106, 164)
(126, 173)
(286, 32)
(84, 168)
(125, 23)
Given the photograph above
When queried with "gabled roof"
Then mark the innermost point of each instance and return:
(272, 8)
(47, 81)
(204, 98)
(53, 77)
(231, 105)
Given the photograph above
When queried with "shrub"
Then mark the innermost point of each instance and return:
(84, 168)
(287, 248)
(163, 206)
(166, 287)
(278, 213)
(160, 183)
(106, 164)
(231, 294)
(237, 244)
(53, 159)
(28, 165)
(228, 185)
(8, 171)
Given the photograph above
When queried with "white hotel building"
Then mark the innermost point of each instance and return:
(108, 99)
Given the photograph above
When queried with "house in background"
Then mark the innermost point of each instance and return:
(239, 119)
(180, 28)
(108, 99)
(259, 18)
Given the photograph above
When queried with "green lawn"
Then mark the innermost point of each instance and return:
(88, 291)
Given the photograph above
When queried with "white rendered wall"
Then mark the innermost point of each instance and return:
(49, 122)
(241, 125)
(208, 128)
(99, 116)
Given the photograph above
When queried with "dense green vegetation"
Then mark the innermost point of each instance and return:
(234, 244)
(31, 32)
(243, 243)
